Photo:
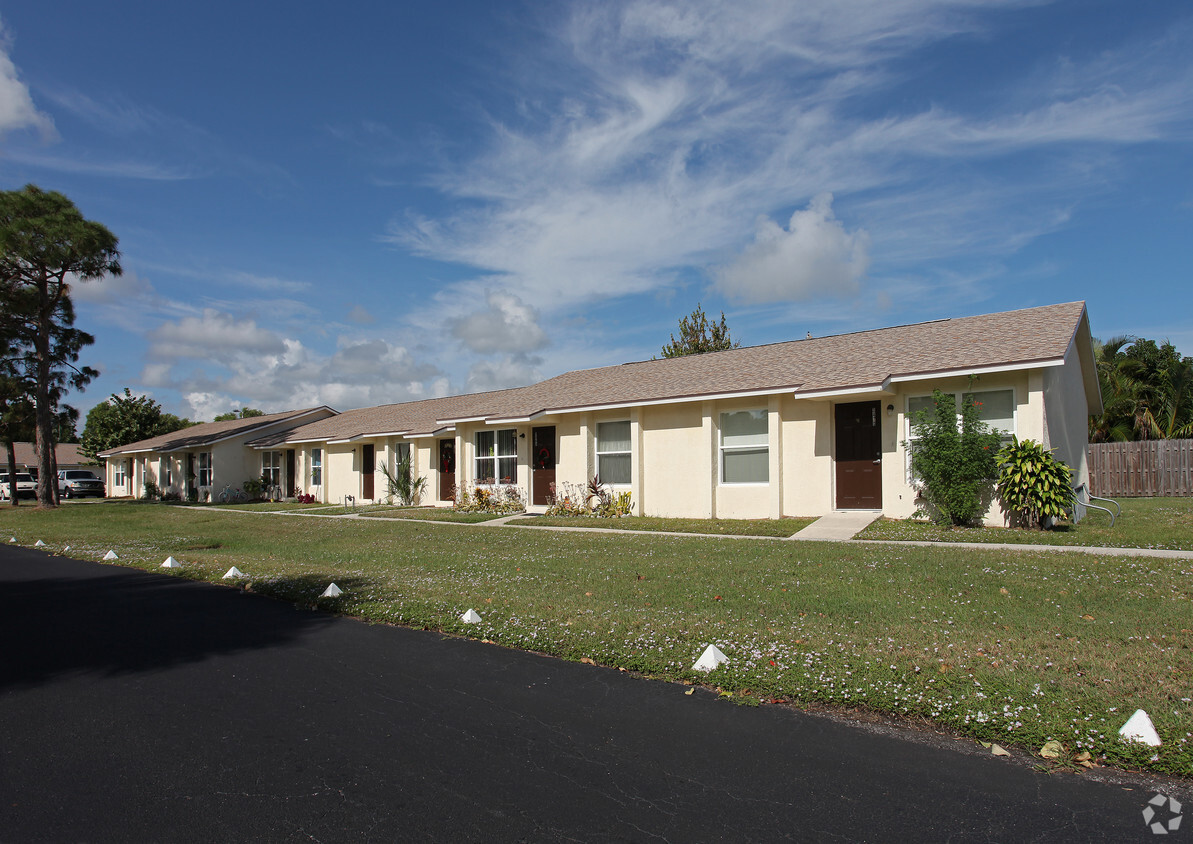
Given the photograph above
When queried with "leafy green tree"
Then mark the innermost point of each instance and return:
(126, 419)
(955, 466)
(16, 424)
(45, 245)
(697, 335)
(243, 413)
(1147, 391)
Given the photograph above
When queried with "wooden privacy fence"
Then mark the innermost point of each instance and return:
(1137, 469)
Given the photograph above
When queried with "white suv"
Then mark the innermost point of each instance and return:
(77, 483)
(26, 486)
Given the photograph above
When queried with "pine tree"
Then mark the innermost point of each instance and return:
(45, 244)
(697, 335)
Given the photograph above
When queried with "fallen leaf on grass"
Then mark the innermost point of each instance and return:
(1003, 591)
(1052, 749)
(1088, 617)
(1084, 759)
(587, 661)
(998, 751)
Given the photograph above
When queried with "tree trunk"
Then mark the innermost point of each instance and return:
(12, 473)
(47, 475)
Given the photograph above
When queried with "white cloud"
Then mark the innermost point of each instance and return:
(217, 361)
(656, 133)
(509, 371)
(507, 324)
(361, 315)
(17, 110)
(213, 336)
(112, 289)
(813, 257)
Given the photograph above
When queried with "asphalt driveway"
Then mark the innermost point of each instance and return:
(141, 707)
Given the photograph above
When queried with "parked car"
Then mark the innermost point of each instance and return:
(78, 483)
(26, 486)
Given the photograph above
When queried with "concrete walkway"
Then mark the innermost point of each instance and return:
(838, 526)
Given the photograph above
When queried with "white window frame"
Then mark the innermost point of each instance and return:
(742, 449)
(271, 468)
(316, 467)
(488, 465)
(209, 469)
(167, 471)
(119, 473)
(608, 452)
(958, 397)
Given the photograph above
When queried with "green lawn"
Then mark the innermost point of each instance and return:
(1017, 648)
(1144, 523)
(734, 527)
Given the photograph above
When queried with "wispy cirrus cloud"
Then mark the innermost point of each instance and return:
(647, 144)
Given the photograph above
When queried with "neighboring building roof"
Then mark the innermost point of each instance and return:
(65, 454)
(863, 361)
(209, 433)
(415, 418)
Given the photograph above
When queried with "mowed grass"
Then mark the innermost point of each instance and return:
(1144, 523)
(734, 527)
(1014, 647)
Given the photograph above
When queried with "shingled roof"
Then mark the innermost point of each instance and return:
(858, 362)
(414, 418)
(208, 433)
(865, 360)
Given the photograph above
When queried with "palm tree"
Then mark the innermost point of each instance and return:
(1147, 391)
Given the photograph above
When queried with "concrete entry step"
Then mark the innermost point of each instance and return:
(842, 524)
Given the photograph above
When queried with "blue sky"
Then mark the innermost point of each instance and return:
(367, 203)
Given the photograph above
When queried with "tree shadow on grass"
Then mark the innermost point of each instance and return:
(60, 616)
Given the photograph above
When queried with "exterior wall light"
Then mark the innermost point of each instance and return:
(890, 410)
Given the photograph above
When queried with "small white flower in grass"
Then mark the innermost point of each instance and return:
(470, 617)
(39, 544)
(171, 563)
(332, 591)
(111, 555)
(1139, 727)
(710, 659)
(233, 572)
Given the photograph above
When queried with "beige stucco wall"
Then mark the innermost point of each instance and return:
(675, 452)
(898, 497)
(466, 455)
(1066, 416)
(807, 456)
(675, 464)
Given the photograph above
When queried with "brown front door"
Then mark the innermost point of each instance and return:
(368, 457)
(447, 470)
(859, 456)
(542, 458)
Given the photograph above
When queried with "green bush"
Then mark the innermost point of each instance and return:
(955, 468)
(252, 488)
(1033, 484)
